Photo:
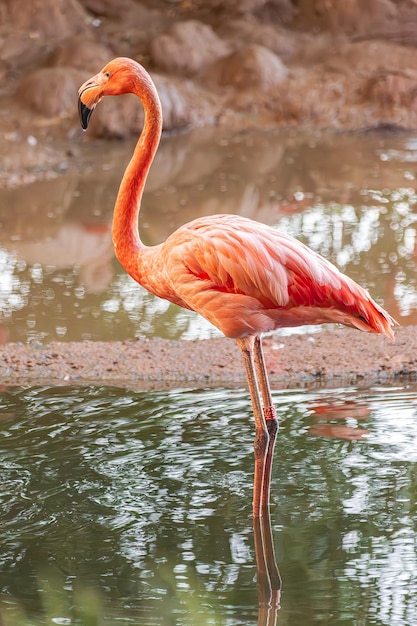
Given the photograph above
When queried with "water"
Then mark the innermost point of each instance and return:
(137, 506)
(350, 197)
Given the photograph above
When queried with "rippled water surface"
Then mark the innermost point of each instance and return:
(137, 506)
(350, 197)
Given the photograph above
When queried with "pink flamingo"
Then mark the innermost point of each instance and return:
(244, 277)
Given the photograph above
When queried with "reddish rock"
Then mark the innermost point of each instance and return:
(188, 48)
(350, 16)
(249, 30)
(52, 91)
(46, 17)
(251, 67)
(33, 27)
(81, 52)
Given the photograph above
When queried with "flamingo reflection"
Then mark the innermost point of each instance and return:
(268, 579)
(326, 412)
(73, 244)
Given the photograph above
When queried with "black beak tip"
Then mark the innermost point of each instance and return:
(84, 113)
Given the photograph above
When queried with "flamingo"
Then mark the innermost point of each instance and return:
(244, 277)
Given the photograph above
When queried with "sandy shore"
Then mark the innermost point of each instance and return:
(332, 357)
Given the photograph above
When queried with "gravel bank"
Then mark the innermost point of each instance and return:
(332, 357)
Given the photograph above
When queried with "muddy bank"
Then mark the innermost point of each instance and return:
(328, 358)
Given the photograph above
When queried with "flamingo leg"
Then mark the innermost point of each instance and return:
(270, 419)
(246, 345)
(272, 427)
(266, 425)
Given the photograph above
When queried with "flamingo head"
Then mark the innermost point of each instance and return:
(116, 78)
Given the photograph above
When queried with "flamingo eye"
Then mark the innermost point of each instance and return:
(107, 74)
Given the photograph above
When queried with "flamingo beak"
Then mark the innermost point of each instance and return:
(85, 113)
(89, 95)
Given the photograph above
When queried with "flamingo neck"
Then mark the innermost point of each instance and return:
(125, 229)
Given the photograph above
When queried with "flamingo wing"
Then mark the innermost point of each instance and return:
(248, 278)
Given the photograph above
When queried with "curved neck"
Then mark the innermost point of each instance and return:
(125, 233)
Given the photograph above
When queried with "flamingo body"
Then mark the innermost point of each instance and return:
(247, 278)
(244, 277)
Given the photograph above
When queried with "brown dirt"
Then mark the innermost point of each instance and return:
(329, 358)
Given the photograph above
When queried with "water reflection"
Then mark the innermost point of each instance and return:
(350, 197)
(268, 578)
(143, 500)
(330, 414)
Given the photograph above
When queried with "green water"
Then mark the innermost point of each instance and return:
(120, 507)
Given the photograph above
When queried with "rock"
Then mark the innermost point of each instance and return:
(82, 53)
(188, 48)
(184, 104)
(251, 31)
(108, 8)
(391, 88)
(252, 67)
(350, 16)
(276, 11)
(49, 18)
(33, 28)
(52, 91)
(127, 26)
(392, 97)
